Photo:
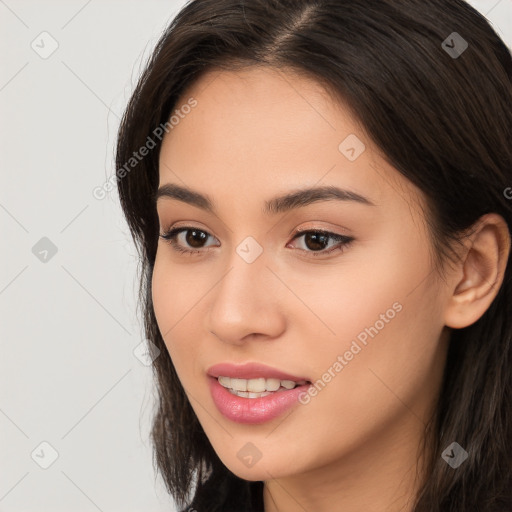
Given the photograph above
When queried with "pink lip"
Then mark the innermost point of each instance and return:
(250, 371)
(252, 410)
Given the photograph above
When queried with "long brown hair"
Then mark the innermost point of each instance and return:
(442, 116)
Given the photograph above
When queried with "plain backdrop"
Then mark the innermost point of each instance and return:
(73, 396)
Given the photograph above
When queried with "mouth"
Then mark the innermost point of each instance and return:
(253, 392)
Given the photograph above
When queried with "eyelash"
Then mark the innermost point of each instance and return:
(343, 241)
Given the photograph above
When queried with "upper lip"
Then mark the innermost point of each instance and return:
(250, 371)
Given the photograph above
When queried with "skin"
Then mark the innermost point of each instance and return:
(258, 133)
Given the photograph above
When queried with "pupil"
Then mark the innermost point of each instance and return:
(314, 237)
(190, 239)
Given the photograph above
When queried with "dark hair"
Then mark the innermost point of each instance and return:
(443, 120)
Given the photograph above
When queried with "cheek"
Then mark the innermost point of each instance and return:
(174, 293)
(363, 297)
(174, 298)
(385, 321)
(162, 292)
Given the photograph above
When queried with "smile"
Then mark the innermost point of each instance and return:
(257, 388)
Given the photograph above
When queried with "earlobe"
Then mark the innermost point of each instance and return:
(483, 268)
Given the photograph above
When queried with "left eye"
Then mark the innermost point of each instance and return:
(316, 241)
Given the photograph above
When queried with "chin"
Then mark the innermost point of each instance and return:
(265, 468)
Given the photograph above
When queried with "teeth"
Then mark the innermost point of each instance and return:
(239, 384)
(254, 388)
(248, 394)
(224, 381)
(254, 385)
(272, 384)
(288, 384)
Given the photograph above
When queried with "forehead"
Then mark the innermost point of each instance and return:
(260, 131)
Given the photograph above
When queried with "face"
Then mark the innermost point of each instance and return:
(352, 306)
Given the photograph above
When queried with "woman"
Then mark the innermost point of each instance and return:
(322, 208)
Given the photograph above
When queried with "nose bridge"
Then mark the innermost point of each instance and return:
(248, 267)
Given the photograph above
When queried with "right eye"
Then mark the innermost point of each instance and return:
(196, 237)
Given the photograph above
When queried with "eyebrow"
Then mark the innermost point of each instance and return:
(292, 200)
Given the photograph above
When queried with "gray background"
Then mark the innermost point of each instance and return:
(68, 374)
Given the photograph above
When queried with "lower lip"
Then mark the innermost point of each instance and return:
(253, 410)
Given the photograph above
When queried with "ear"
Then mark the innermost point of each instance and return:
(480, 271)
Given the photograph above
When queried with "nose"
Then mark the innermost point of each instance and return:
(247, 303)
